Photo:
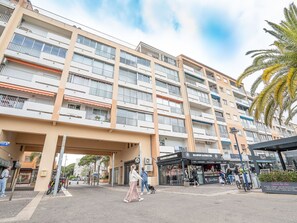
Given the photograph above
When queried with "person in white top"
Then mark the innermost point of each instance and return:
(132, 193)
(3, 179)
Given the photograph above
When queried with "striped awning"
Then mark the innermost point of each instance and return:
(26, 89)
(169, 99)
(86, 101)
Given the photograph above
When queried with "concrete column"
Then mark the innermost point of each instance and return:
(47, 160)
(115, 87)
(64, 77)
(12, 24)
(186, 105)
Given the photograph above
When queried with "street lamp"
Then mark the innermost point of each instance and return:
(234, 131)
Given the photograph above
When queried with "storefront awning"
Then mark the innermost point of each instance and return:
(86, 101)
(26, 89)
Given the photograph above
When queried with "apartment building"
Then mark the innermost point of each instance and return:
(60, 80)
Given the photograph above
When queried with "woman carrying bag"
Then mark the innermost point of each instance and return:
(132, 194)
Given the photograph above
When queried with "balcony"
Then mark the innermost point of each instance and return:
(82, 117)
(129, 124)
(172, 130)
(135, 103)
(217, 103)
(249, 126)
(4, 17)
(21, 107)
(194, 72)
(199, 100)
(196, 84)
(204, 134)
(35, 56)
(238, 90)
(220, 119)
(242, 102)
(211, 77)
(198, 115)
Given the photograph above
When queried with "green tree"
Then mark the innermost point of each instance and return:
(105, 160)
(87, 160)
(279, 71)
(36, 156)
(69, 169)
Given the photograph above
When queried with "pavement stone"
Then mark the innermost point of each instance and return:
(169, 204)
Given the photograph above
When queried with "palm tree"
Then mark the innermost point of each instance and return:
(279, 71)
(36, 156)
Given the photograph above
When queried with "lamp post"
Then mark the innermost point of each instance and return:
(234, 131)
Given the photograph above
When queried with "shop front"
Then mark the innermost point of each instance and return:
(176, 167)
(265, 162)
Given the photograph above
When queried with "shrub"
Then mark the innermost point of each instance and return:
(279, 176)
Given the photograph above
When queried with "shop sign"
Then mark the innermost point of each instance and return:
(203, 156)
(168, 157)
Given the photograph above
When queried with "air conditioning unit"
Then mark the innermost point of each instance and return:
(148, 161)
(148, 168)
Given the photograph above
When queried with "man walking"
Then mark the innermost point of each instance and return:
(144, 182)
(195, 177)
(3, 180)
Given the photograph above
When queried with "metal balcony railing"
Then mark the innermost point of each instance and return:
(11, 101)
(4, 17)
(24, 50)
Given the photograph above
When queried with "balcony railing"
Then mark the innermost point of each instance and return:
(221, 119)
(100, 93)
(210, 77)
(242, 101)
(128, 99)
(4, 17)
(12, 101)
(126, 121)
(224, 134)
(214, 90)
(176, 110)
(24, 50)
(180, 129)
(216, 103)
(100, 71)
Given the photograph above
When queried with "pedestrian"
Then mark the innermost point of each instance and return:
(222, 178)
(132, 194)
(3, 180)
(229, 176)
(144, 181)
(195, 177)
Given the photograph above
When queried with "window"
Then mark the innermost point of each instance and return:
(223, 131)
(132, 60)
(97, 88)
(225, 102)
(222, 89)
(225, 80)
(235, 118)
(98, 114)
(171, 74)
(228, 115)
(201, 96)
(100, 48)
(34, 47)
(174, 106)
(228, 91)
(172, 89)
(98, 67)
(232, 104)
(74, 106)
(132, 77)
(178, 125)
(132, 96)
(127, 117)
(169, 60)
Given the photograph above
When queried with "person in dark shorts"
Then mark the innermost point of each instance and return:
(195, 177)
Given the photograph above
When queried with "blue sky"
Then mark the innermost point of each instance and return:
(217, 33)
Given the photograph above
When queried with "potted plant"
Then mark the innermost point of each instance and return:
(279, 182)
(97, 118)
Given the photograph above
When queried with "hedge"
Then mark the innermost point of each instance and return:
(279, 176)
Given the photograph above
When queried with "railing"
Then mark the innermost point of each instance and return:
(201, 114)
(126, 121)
(210, 77)
(97, 118)
(224, 134)
(100, 71)
(238, 89)
(100, 93)
(180, 129)
(128, 99)
(176, 110)
(4, 17)
(12, 101)
(221, 119)
(242, 101)
(104, 54)
(214, 90)
(216, 103)
(24, 50)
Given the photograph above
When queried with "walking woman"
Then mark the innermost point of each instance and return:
(132, 194)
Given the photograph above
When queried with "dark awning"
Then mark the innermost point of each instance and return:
(282, 145)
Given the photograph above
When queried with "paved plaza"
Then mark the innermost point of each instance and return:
(208, 203)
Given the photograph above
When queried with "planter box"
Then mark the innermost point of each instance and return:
(279, 187)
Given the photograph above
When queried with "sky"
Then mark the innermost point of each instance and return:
(216, 33)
